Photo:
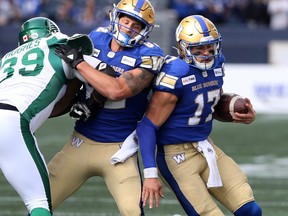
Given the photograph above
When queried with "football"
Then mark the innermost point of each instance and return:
(228, 104)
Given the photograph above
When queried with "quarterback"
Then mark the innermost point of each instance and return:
(179, 120)
(124, 46)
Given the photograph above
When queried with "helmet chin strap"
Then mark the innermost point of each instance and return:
(123, 38)
(204, 65)
(126, 40)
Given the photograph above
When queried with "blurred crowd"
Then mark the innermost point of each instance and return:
(85, 13)
(91, 13)
(253, 13)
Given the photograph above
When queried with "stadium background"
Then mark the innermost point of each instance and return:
(256, 59)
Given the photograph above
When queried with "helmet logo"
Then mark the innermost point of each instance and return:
(34, 35)
(27, 37)
(35, 28)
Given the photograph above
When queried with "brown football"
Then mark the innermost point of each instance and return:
(228, 104)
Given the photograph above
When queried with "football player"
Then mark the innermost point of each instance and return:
(124, 46)
(32, 80)
(179, 119)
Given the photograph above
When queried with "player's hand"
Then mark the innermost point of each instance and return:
(69, 55)
(152, 189)
(247, 118)
(80, 111)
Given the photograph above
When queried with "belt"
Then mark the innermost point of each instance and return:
(8, 107)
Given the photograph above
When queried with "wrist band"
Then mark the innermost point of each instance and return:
(151, 172)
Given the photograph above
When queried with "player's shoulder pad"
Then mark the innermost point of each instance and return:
(151, 56)
(220, 61)
(222, 57)
(175, 66)
(173, 69)
(56, 38)
(219, 68)
(59, 36)
(150, 49)
(99, 32)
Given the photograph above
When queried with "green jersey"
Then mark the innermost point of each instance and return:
(33, 78)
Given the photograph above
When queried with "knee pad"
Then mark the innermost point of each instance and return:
(249, 209)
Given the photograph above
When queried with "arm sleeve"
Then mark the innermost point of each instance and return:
(146, 133)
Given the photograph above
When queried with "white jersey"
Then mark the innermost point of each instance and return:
(33, 78)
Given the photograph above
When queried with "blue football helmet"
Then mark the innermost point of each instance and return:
(140, 10)
(194, 31)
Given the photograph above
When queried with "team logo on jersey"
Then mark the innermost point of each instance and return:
(111, 54)
(179, 158)
(188, 80)
(204, 74)
(218, 72)
(77, 142)
(128, 61)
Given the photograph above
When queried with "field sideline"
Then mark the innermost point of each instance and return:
(259, 148)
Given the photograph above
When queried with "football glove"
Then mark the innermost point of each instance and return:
(80, 111)
(93, 101)
(69, 55)
(83, 110)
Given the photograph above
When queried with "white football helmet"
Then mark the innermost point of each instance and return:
(141, 10)
(194, 31)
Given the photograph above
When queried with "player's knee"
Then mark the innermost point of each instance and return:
(128, 207)
(128, 211)
(249, 209)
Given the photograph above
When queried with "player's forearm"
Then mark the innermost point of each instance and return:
(65, 103)
(146, 133)
(108, 86)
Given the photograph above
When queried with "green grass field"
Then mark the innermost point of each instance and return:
(260, 148)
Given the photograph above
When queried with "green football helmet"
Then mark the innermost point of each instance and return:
(37, 27)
